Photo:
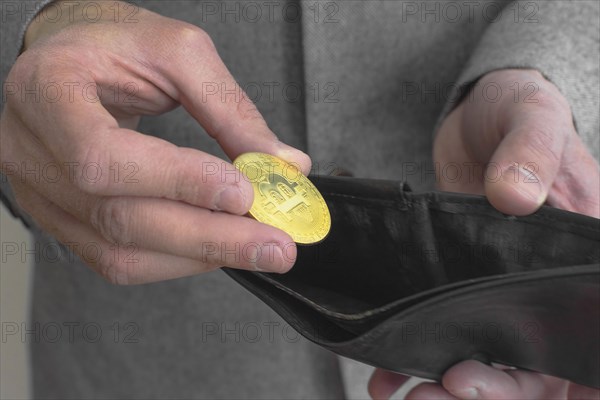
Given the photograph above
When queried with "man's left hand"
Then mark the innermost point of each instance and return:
(514, 141)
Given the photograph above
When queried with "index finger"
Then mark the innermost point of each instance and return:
(103, 159)
(201, 82)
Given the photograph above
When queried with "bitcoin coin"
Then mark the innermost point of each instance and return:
(285, 198)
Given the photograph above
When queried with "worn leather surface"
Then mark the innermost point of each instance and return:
(415, 283)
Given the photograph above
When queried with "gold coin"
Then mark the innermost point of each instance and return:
(285, 198)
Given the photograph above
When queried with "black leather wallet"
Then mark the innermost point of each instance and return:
(415, 283)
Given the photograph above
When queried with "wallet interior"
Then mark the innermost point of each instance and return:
(399, 267)
(389, 248)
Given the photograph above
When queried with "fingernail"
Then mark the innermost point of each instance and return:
(272, 259)
(272, 255)
(231, 199)
(292, 155)
(470, 394)
(525, 182)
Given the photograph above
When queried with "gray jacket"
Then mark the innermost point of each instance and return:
(358, 85)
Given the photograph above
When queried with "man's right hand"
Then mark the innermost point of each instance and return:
(182, 211)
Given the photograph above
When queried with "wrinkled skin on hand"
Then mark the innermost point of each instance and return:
(179, 218)
(528, 154)
(527, 147)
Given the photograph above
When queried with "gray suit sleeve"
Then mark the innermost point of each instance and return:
(15, 17)
(560, 39)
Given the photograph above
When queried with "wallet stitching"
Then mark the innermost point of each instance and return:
(336, 314)
(381, 327)
(290, 316)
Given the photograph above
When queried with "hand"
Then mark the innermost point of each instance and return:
(181, 209)
(520, 152)
(471, 380)
(522, 147)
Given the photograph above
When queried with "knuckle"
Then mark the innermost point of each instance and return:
(208, 252)
(92, 177)
(192, 36)
(182, 41)
(41, 66)
(550, 98)
(187, 186)
(182, 190)
(112, 218)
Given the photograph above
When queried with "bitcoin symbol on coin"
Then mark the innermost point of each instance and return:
(288, 202)
(283, 200)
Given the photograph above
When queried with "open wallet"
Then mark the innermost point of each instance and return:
(417, 282)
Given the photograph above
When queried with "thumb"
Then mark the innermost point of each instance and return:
(525, 164)
(471, 379)
(383, 384)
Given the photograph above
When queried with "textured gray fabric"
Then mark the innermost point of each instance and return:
(359, 64)
(378, 54)
(561, 39)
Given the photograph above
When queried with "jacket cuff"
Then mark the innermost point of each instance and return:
(16, 17)
(559, 39)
